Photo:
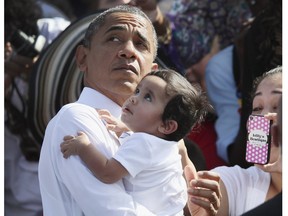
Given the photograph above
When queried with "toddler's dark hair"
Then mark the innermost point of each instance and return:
(187, 106)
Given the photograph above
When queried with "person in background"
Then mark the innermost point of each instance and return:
(274, 205)
(190, 34)
(215, 74)
(54, 8)
(27, 34)
(239, 186)
(187, 31)
(229, 77)
(148, 159)
(118, 49)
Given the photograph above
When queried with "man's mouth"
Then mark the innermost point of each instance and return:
(127, 67)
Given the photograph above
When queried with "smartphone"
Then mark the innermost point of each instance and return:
(258, 139)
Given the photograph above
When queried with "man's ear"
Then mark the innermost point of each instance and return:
(81, 58)
(168, 127)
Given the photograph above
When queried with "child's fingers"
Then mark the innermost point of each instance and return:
(64, 151)
(63, 147)
(110, 127)
(68, 137)
(103, 112)
(108, 119)
(80, 133)
(66, 155)
(67, 152)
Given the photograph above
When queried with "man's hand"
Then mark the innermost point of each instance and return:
(204, 194)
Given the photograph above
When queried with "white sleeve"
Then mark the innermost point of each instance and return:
(50, 28)
(135, 154)
(246, 188)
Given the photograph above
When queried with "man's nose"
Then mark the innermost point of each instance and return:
(128, 50)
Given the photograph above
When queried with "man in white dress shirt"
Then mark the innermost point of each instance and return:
(119, 48)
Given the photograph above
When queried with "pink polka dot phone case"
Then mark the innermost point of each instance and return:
(258, 139)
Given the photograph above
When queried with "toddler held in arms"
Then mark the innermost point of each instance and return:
(163, 109)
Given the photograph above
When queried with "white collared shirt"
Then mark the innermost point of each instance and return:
(67, 186)
(156, 175)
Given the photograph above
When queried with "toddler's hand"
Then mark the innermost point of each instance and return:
(73, 145)
(112, 123)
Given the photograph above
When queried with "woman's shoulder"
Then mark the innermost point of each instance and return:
(241, 175)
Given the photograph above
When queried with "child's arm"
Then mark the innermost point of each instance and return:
(184, 154)
(106, 170)
(113, 123)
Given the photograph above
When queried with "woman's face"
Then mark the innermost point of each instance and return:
(267, 95)
(266, 101)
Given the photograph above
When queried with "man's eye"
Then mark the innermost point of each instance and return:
(142, 45)
(114, 38)
(148, 97)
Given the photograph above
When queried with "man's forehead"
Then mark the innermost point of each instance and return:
(126, 18)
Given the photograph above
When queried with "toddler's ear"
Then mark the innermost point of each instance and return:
(168, 127)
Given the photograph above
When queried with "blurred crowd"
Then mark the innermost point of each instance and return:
(220, 45)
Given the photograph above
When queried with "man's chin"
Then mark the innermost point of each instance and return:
(128, 88)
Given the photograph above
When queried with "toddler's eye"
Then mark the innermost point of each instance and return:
(137, 91)
(148, 97)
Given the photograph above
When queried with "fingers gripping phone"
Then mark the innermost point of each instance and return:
(258, 139)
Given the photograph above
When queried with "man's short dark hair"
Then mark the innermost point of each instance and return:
(100, 20)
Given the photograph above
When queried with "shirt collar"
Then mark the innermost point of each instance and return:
(93, 98)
